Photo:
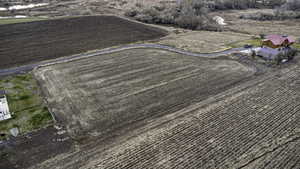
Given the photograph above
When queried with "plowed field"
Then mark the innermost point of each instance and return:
(25, 43)
(253, 125)
(108, 92)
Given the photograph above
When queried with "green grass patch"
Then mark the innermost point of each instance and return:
(19, 20)
(297, 45)
(25, 102)
(254, 42)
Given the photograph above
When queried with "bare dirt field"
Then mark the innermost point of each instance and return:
(25, 43)
(104, 93)
(252, 124)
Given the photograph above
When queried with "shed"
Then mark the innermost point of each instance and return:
(4, 109)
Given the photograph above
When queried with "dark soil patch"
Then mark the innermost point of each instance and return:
(25, 151)
(25, 43)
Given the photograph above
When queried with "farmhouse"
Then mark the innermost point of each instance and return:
(278, 41)
(275, 45)
(4, 109)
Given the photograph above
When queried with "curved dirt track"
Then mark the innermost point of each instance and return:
(25, 68)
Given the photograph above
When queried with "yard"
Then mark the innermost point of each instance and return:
(25, 102)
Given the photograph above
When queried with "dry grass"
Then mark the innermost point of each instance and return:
(285, 27)
(204, 41)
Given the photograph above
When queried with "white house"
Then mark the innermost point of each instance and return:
(4, 109)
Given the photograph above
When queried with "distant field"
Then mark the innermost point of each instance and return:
(25, 43)
(106, 92)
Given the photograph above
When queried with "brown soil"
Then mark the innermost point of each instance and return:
(98, 95)
(27, 150)
(37, 41)
(255, 124)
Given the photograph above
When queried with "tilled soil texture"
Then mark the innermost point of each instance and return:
(25, 43)
(107, 92)
(253, 125)
(29, 149)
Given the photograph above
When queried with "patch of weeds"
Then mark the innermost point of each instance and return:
(297, 45)
(19, 20)
(29, 110)
(39, 119)
(253, 41)
(24, 97)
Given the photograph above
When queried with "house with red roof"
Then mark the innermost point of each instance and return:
(278, 41)
(275, 45)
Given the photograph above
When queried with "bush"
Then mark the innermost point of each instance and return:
(292, 53)
(288, 55)
(39, 119)
(258, 16)
(278, 14)
(293, 5)
(131, 12)
(189, 14)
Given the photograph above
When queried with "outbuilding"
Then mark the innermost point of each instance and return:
(4, 109)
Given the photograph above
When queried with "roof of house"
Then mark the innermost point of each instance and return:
(279, 40)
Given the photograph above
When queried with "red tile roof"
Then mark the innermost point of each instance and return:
(279, 40)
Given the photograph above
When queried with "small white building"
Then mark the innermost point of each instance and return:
(4, 109)
(219, 20)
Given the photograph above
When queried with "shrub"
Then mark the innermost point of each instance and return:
(131, 12)
(262, 36)
(189, 14)
(278, 14)
(39, 119)
(258, 16)
(292, 53)
(293, 5)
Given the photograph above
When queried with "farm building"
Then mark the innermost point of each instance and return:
(275, 45)
(278, 41)
(4, 109)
